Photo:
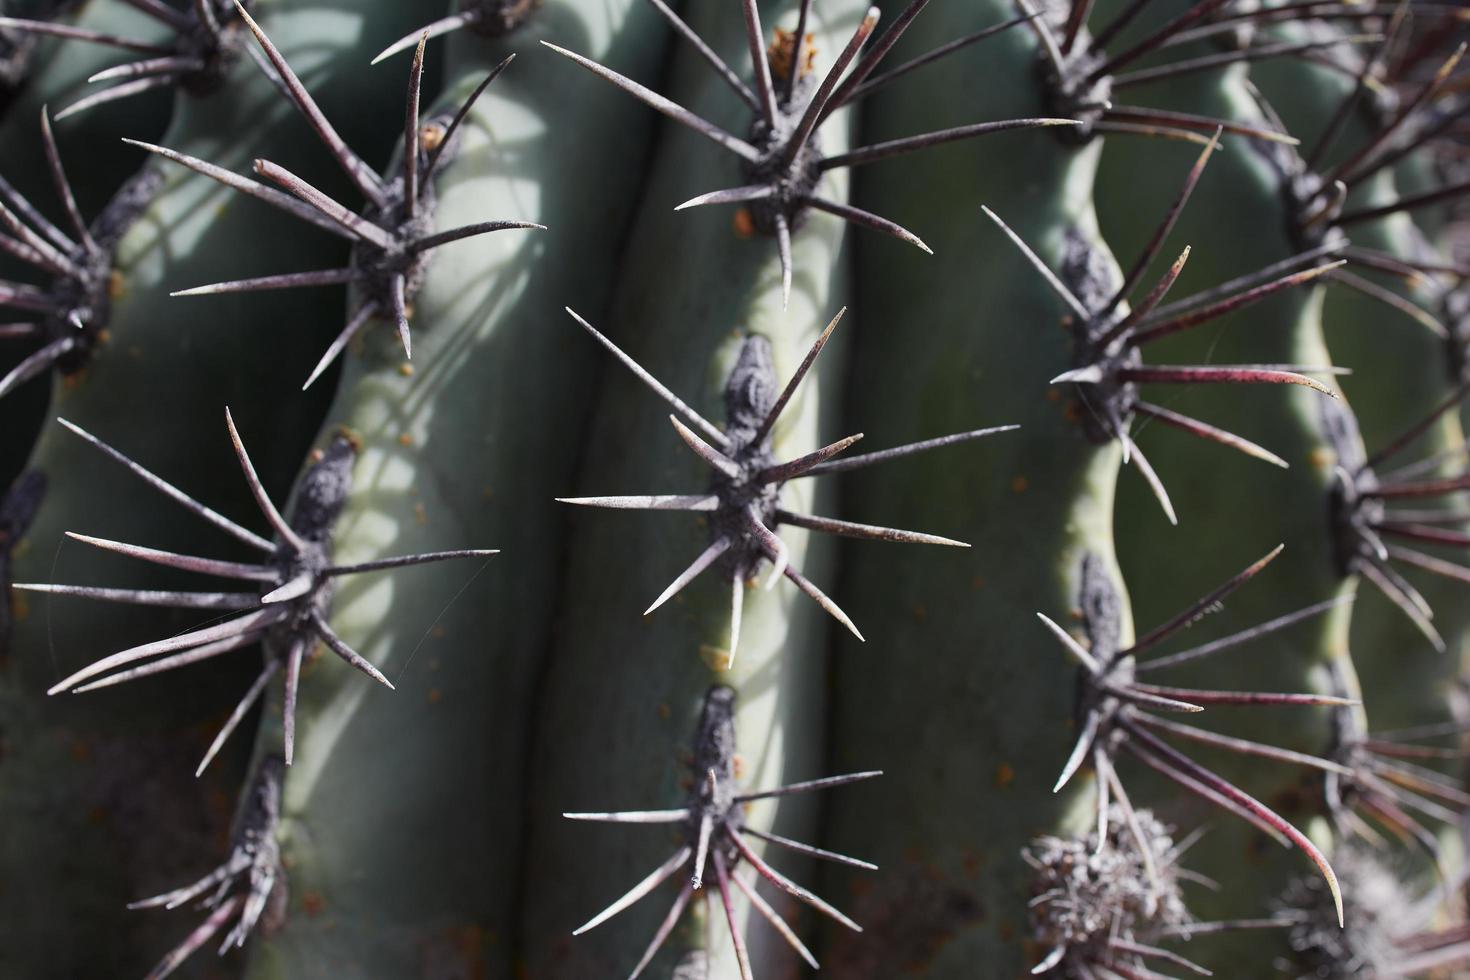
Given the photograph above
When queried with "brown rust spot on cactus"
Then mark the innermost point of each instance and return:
(1020, 484)
(313, 904)
(743, 223)
(1004, 775)
(715, 658)
(909, 918)
(405, 369)
(780, 51)
(405, 440)
(434, 696)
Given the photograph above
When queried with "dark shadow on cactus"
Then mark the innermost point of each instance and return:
(744, 501)
(391, 238)
(491, 18)
(251, 883)
(1109, 337)
(296, 579)
(1371, 510)
(74, 307)
(713, 822)
(207, 43)
(1080, 76)
(1115, 709)
(782, 158)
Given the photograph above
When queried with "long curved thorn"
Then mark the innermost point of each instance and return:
(62, 185)
(397, 290)
(810, 785)
(1150, 476)
(355, 323)
(1166, 226)
(1429, 563)
(45, 252)
(730, 195)
(791, 469)
(1206, 431)
(193, 655)
(908, 144)
(632, 816)
(870, 532)
(1082, 655)
(25, 209)
(711, 432)
(437, 154)
(786, 884)
(742, 955)
(172, 66)
(1130, 692)
(898, 452)
(1345, 170)
(316, 198)
(1255, 53)
(1208, 124)
(201, 935)
(359, 172)
(148, 597)
(1245, 635)
(850, 92)
(71, 33)
(404, 561)
(1196, 12)
(177, 897)
(668, 501)
(230, 629)
(1080, 750)
(701, 849)
(22, 296)
(188, 563)
(1104, 791)
(783, 254)
(294, 657)
(1370, 70)
(469, 231)
(287, 280)
(36, 363)
(257, 190)
(1145, 845)
(1044, 37)
(771, 916)
(815, 109)
(1077, 13)
(1228, 374)
(1065, 294)
(659, 875)
(1405, 604)
(1198, 696)
(1195, 786)
(341, 649)
(705, 451)
(1157, 952)
(756, 43)
(796, 379)
(866, 219)
(251, 696)
(1427, 488)
(664, 929)
(433, 29)
(1196, 610)
(1393, 300)
(774, 547)
(668, 107)
(1148, 304)
(1248, 281)
(1408, 203)
(1155, 329)
(257, 490)
(1244, 746)
(174, 493)
(708, 54)
(737, 611)
(810, 850)
(1050, 960)
(412, 139)
(705, 559)
(1244, 799)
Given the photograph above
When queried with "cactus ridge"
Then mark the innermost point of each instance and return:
(391, 239)
(74, 307)
(1114, 707)
(715, 831)
(744, 499)
(783, 161)
(296, 578)
(250, 882)
(206, 45)
(1109, 336)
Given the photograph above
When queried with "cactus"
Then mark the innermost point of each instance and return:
(1230, 220)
